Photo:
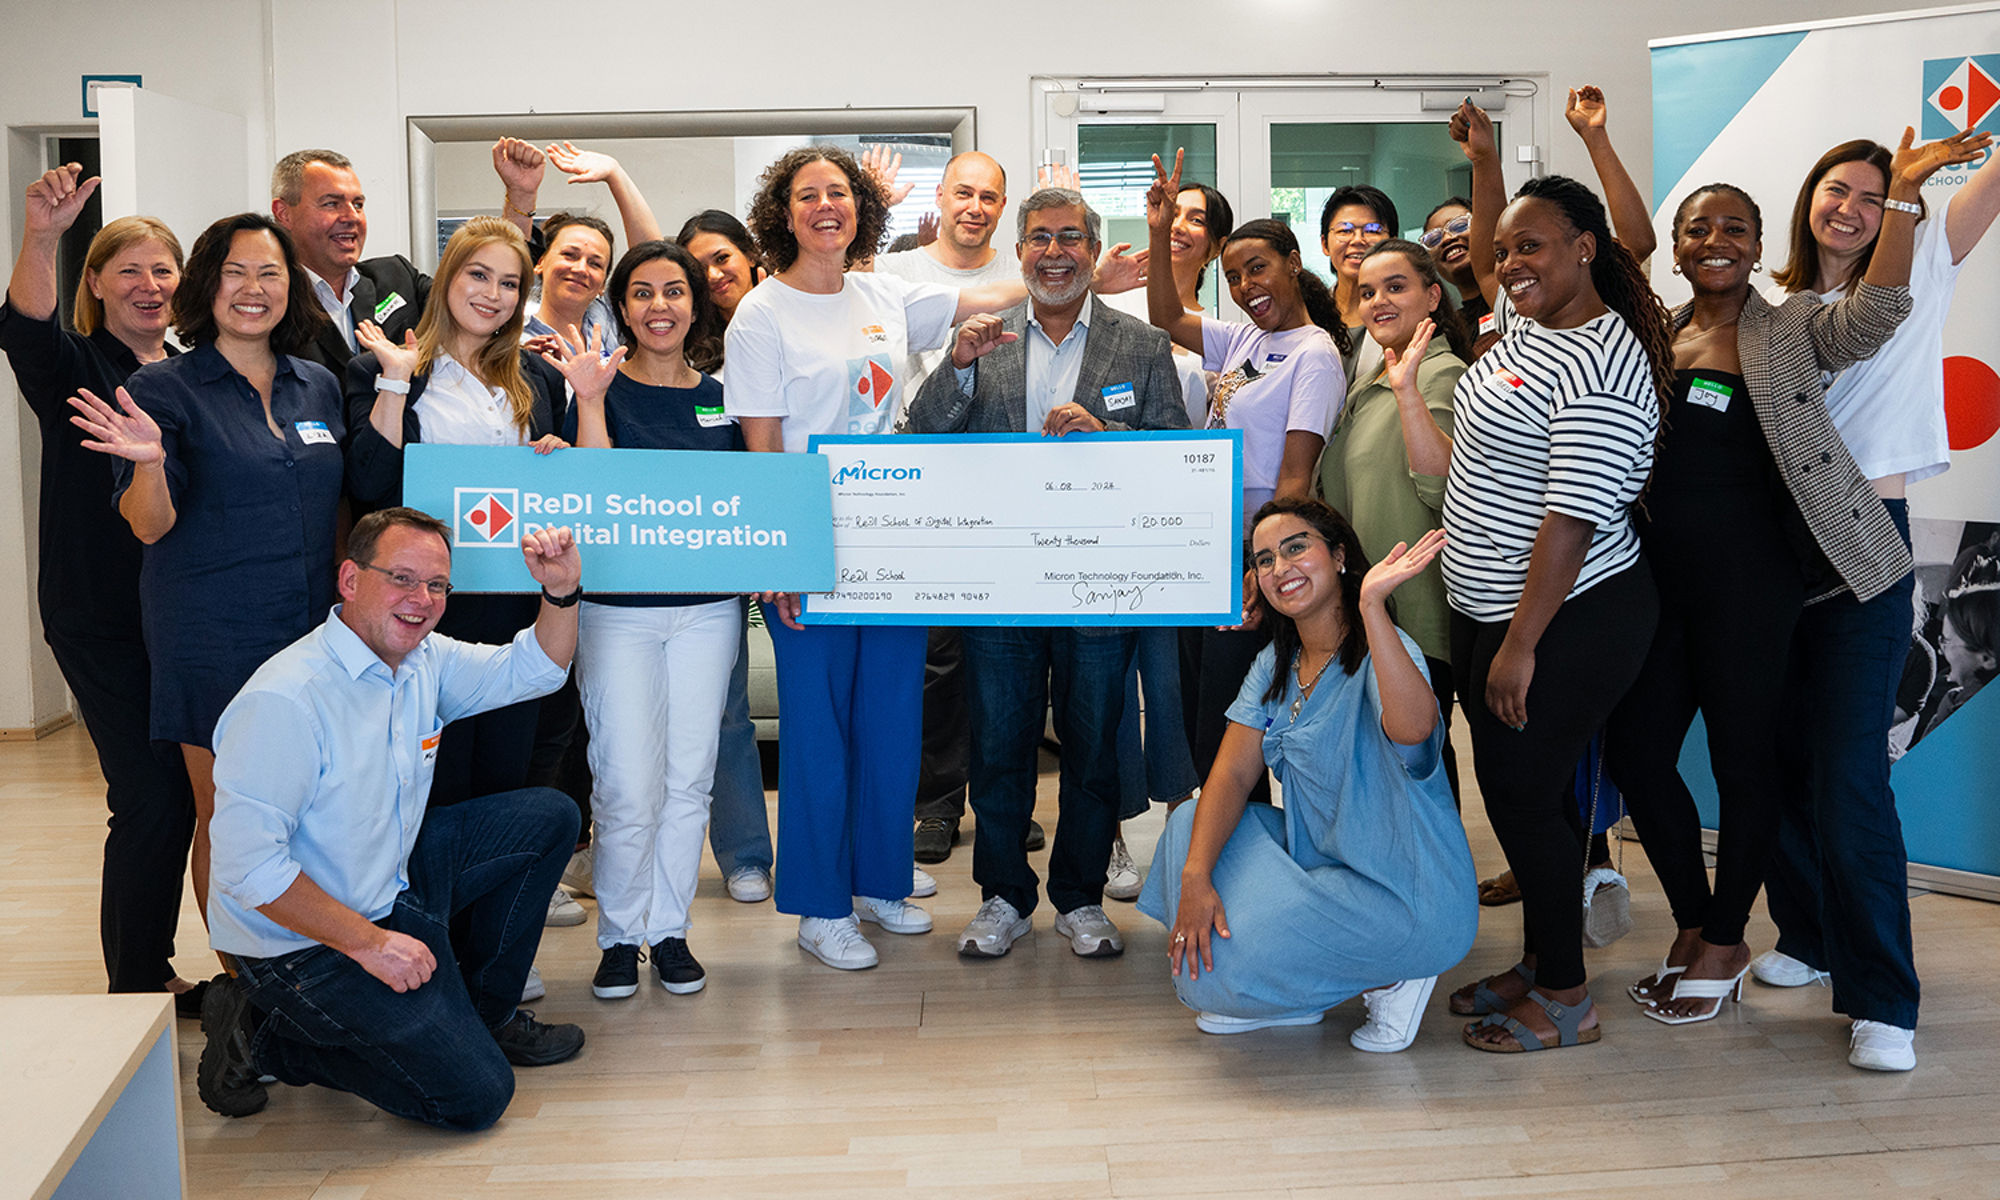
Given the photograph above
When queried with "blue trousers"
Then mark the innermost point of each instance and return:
(1158, 763)
(1838, 886)
(739, 827)
(850, 699)
(1008, 676)
(427, 1054)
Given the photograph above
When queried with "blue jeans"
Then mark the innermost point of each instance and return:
(1009, 672)
(1158, 763)
(427, 1054)
(739, 826)
(1838, 883)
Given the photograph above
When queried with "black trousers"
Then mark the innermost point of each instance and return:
(947, 755)
(1584, 664)
(488, 753)
(1213, 664)
(152, 807)
(1442, 687)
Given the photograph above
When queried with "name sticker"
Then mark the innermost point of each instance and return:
(710, 418)
(431, 742)
(1119, 396)
(1485, 324)
(1274, 358)
(390, 303)
(1710, 394)
(314, 433)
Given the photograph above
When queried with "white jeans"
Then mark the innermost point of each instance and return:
(653, 682)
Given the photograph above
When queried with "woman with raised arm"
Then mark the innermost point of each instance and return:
(1553, 605)
(846, 785)
(229, 471)
(1391, 423)
(653, 669)
(1364, 876)
(87, 576)
(1837, 889)
(1281, 384)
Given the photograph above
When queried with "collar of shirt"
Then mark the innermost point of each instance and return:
(211, 367)
(337, 307)
(1082, 324)
(351, 652)
(117, 352)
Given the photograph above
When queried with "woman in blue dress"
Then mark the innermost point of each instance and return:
(1363, 878)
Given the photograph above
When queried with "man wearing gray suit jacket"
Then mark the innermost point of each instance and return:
(1065, 365)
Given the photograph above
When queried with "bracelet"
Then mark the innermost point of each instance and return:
(385, 384)
(1915, 210)
(568, 601)
(507, 209)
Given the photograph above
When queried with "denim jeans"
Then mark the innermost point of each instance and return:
(427, 1054)
(1155, 764)
(739, 825)
(1838, 883)
(1009, 673)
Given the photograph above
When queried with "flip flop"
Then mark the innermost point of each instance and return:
(1484, 999)
(1567, 1018)
(1660, 979)
(1499, 890)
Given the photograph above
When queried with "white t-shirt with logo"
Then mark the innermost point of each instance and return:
(918, 266)
(831, 363)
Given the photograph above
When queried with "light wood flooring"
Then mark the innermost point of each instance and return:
(1043, 1075)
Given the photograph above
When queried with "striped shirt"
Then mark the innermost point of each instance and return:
(1549, 420)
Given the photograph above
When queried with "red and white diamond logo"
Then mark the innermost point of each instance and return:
(486, 517)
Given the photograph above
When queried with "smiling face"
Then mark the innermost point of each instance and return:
(1846, 211)
(486, 291)
(1540, 260)
(1263, 284)
(1716, 244)
(658, 306)
(1453, 254)
(1192, 241)
(1296, 569)
(1965, 662)
(969, 198)
(1394, 298)
(1058, 275)
(731, 272)
(573, 268)
(389, 619)
(134, 288)
(820, 211)
(328, 224)
(251, 292)
(1348, 238)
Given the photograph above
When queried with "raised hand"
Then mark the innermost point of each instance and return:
(927, 228)
(588, 370)
(1399, 371)
(1120, 270)
(519, 165)
(1401, 564)
(1585, 110)
(396, 362)
(1472, 129)
(878, 160)
(582, 166)
(552, 559)
(977, 338)
(1057, 175)
(57, 198)
(1911, 165)
(130, 434)
(1161, 196)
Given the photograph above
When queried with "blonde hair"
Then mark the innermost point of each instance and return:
(88, 311)
(498, 363)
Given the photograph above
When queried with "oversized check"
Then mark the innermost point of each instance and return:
(1021, 529)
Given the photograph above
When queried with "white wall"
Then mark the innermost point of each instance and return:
(309, 73)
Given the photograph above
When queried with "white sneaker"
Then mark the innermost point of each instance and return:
(533, 989)
(749, 885)
(1874, 1046)
(837, 942)
(921, 883)
(576, 876)
(896, 916)
(993, 930)
(1217, 1023)
(564, 910)
(1393, 1016)
(1121, 878)
(1782, 970)
(1091, 934)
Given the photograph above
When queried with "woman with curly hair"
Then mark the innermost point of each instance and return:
(817, 349)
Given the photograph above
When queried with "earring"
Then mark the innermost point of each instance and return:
(1586, 261)
(1758, 265)
(1677, 268)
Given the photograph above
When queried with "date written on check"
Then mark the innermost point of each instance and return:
(1013, 529)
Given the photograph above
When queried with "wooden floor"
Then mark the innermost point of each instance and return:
(1043, 1075)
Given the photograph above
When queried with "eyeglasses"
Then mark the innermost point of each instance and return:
(1456, 227)
(1291, 550)
(1348, 229)
(1068, 239)
(406, 582)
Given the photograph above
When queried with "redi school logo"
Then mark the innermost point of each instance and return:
(1961, 94)
(486, 517)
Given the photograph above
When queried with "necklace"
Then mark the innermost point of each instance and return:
(1305, 689)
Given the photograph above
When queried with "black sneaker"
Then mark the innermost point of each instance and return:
(187, 1005)
(617, 973)
(1036, 838)
(226, 1078)
(935, 837)
(529, 1043)
(679, 972)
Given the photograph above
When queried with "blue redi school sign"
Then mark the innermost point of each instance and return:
(646, 520)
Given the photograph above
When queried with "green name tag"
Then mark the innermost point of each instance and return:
(1710, 394)
(390, 303)
(709, 418)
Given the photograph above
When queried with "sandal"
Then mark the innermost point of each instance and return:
(1499, 890)
(1483, 999)
(1660, 978)
(1567, 1018)
(1717, 990)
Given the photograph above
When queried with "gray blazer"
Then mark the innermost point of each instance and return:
(1784, 351)
(1116, 349)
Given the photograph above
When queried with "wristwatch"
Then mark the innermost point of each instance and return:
(568, 601)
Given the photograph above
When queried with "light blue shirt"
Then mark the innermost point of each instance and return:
(323, 767)
(1051, 369)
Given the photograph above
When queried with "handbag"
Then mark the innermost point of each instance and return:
(1607, 896)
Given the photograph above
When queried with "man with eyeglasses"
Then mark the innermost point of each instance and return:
(379, 948)
(1062, 363)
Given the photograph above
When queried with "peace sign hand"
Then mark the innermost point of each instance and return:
(1160, 197)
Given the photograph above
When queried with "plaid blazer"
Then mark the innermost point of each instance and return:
(1787, 353)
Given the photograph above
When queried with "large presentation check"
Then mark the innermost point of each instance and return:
(1022, 529)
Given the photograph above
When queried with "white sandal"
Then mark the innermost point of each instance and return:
(1638, 990)
(1717, 990)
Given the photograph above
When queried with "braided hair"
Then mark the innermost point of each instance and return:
(1312, 289)
(1616, 275)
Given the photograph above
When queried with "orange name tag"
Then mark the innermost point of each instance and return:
(431, 742)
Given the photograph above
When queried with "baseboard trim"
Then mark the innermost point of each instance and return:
(38, 732)
(1969, 884)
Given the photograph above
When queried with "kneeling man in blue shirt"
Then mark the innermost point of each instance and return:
(379, 948)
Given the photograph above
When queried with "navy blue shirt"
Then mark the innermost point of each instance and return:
(248, 566)
(88, 578)
(639, 416)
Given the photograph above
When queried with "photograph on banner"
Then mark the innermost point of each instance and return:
(1955, 645)
(1023, 529)
(649, 521)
